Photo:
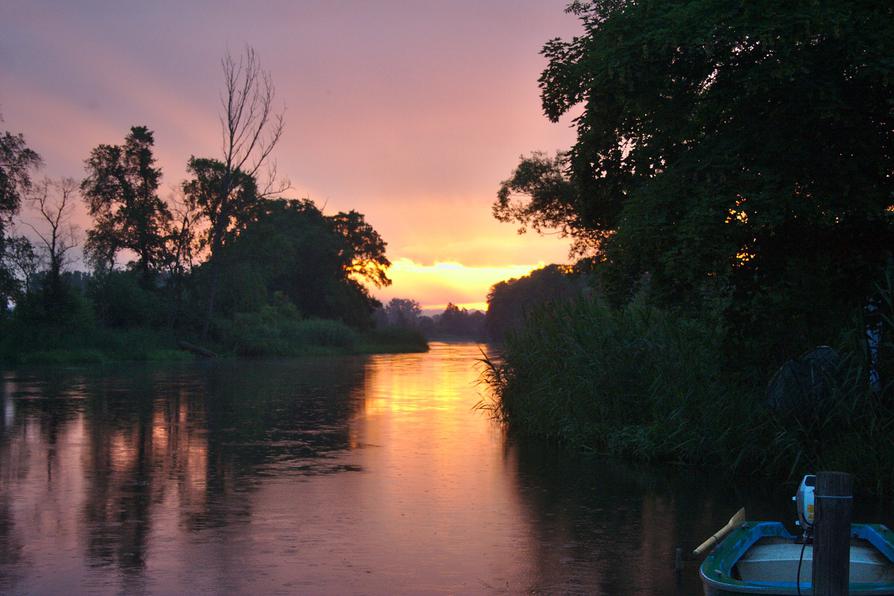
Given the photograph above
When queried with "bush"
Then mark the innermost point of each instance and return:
(279, 331)
(641, 382)
(120, 301)
(393, 340)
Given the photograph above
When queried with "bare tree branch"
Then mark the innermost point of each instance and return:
(54, 200)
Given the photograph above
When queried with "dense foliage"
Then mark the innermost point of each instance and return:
(732, 183)
(288, 279)
(121, 192)
(644, 383)
(17, 163)
(737, 153)
(510, 302)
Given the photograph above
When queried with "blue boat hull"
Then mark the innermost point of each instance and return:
(763, 558)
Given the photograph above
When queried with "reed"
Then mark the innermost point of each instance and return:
(644, 383)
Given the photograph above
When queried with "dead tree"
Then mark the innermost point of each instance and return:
(250, 129)
(54, 200)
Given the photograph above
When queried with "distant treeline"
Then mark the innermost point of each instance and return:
(225, 261)
(454, 323)
(730, 199)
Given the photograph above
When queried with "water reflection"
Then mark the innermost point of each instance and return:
(93, 459)
(334, 475)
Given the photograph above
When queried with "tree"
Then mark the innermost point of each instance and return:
(735, 152)
(540, 195)
(402, 312)
(461, 322)
(121, 191)
(289, 248)
(20, 258)
(363, 250)
(54, 201)
(510, 302)
(17, 163)
(250, 129)
(225, 214)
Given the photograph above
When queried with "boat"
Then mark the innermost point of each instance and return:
(763, 557)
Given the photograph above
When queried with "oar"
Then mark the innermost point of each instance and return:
(734, 521)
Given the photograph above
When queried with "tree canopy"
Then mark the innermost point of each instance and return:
(738, 149)
(17, 163)
(121, 191)
(290, 248)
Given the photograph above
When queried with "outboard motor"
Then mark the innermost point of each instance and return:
(804, 502)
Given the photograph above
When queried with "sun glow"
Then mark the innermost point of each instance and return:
(438, 283)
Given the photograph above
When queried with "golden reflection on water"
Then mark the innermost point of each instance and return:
(352, 475)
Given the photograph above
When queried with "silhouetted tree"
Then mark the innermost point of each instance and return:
(540, 195)
(224, 216)
(460, 323)
(121, 191)
(250, 129)
(364, 249)
(17, 163)
(290, 248)
(402, 312)
(20, 258)
(509, 302)
(54, 200)
(739, 154)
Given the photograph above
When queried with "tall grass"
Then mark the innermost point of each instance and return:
(392, 340)
(642, 383)
(31, 343)
(269, 332)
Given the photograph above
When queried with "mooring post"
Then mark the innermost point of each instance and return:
(832, 533)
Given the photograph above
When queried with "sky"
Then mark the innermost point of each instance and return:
(410, 112)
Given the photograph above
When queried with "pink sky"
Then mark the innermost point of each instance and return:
(410, 112)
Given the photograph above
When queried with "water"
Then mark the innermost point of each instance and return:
(366, 475)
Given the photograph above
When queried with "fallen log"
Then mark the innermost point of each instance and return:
(197, 350)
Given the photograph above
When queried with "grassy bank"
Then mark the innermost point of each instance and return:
(64, 345)
(250, 336)
(271, 332)
(642, 383)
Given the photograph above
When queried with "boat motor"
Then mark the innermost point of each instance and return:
(804, 502)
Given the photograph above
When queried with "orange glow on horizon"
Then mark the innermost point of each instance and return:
(433, 286)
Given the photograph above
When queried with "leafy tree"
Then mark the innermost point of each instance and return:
(291, 249)
(250, 129)
(225, 214)
(21, 260)
(121, 191)
(364, 249)
(402, 312)
(17, 163)
(510, 302)
(540, 195)
(460, 322)
(737, 153)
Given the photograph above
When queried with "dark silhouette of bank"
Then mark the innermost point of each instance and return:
(730, 191)
(226, 265)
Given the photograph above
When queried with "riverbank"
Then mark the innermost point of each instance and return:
(61, 345)
(648, 385)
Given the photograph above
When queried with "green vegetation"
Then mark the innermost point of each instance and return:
(731, 191)
(645, 383)
(401, 317)
(509, 302)
(228, 266)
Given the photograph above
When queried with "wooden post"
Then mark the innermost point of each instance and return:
(832, 533)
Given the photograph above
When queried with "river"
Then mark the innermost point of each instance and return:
(349, 475)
